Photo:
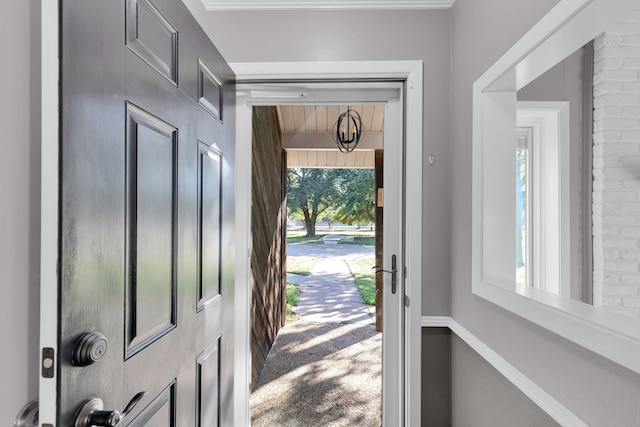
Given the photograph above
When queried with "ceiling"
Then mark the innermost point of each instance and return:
(307, 136)
(320, 118)
(326, 4)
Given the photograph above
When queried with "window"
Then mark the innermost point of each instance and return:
(524, 172)
(542, 196)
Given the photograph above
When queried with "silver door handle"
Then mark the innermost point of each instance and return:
(28, 415)
(393, 272)
(91, 413)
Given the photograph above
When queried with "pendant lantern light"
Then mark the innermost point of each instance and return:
(348, 130)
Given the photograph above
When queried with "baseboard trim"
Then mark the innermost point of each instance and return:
(544, 400)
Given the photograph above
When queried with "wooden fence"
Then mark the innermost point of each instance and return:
(268, 218)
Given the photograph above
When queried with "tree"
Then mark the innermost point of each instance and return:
(311, 192)
(344, 195)
(357, 203)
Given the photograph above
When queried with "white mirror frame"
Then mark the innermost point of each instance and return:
(566, 28)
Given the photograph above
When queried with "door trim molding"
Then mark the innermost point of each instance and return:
(544, 400)
(49, 168)
(412, 73)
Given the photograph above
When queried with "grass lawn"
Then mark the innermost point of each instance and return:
(293, 295)
(302, 238)
(367, 239)
(360, 240)
(300, 264)
(361, 270)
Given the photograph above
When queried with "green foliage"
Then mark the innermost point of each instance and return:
(357, 203)
(344, 195)
(364, 276)
(293, 295)
(310, 193)
(359, 240)
(304, 239)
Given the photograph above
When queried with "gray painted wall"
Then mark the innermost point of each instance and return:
(368, 36)
(197, 9)
(460, 388)
(20, 195)
(483, 397)
(599, 391)
(436, 377)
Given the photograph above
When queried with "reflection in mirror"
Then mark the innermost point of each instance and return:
(577, 161)
(542, 181)
(616, 169)
(524, 173)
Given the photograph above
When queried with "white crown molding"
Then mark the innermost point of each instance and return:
(218, 5)
(544, 400)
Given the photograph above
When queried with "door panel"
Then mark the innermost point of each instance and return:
(160, 412)
(152, 37)
(147, 207)
(209, 191)
(151, 229)
(209, 90)
(208, 386)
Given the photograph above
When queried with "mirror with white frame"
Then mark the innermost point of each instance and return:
(553, 165)
(562, 110)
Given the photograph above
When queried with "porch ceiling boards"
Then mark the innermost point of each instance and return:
(307, 136)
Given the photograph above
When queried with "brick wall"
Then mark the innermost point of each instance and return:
(616, 169)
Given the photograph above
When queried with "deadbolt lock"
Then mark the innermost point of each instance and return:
(89, 348)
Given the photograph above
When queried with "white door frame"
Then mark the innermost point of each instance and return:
(411, 73)
(49, 104)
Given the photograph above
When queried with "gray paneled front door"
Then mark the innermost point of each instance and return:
(146, 228)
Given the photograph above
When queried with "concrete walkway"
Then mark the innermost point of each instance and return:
(319, 250)
(330, 295)
(326, 368)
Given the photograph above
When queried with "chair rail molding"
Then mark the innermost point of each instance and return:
(544, 400)
(218, 5)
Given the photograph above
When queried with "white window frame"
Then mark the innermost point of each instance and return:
(548, 198)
